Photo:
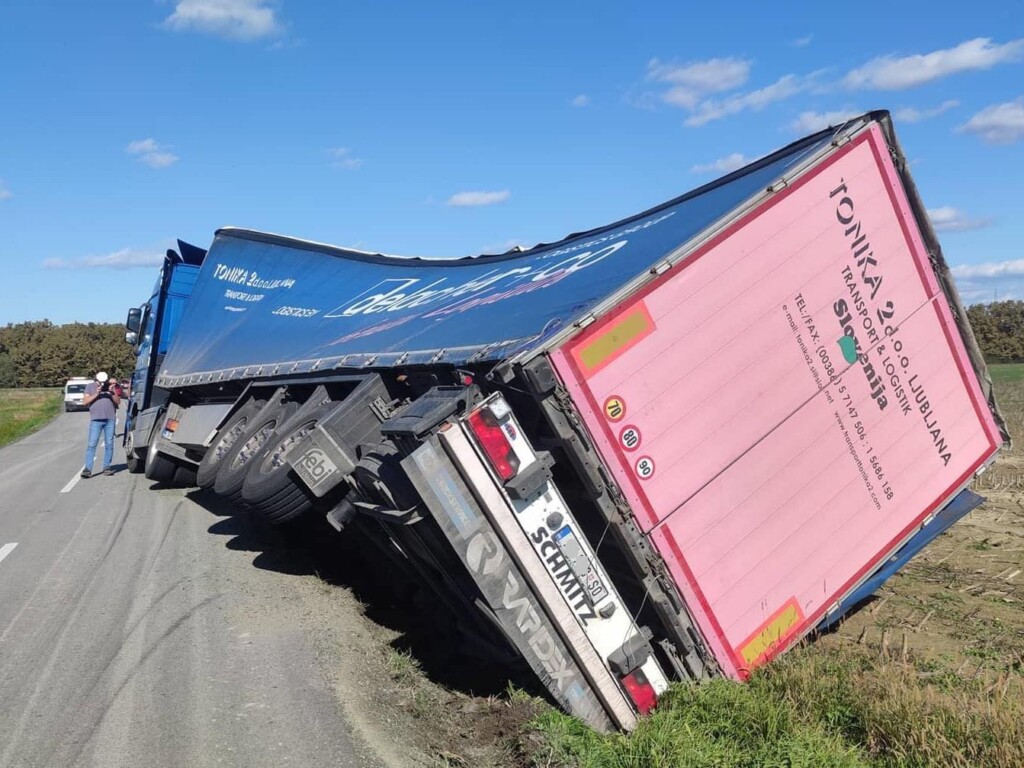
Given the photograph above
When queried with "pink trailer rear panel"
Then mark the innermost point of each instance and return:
(787, 405)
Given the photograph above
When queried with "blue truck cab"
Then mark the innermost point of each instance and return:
(150, 330)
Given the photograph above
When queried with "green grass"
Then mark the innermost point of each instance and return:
(25, 410)
(1007, 373)
(809, 708)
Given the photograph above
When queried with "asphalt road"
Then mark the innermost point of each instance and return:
(132, 631)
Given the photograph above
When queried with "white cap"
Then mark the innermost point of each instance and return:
(101, 377)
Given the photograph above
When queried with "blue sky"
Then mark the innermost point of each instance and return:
(454, 128)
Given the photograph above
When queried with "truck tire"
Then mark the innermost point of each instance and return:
(226, 438)
(158, 468)
(379, 473)
(270, 488)
(135, 462)
(184, 477)
(251, 445)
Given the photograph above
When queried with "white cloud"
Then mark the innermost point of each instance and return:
(142, 146)
(707, 76)
(1002, 280)
(126, 258)
(914, 115)
(786, 86)
(470, 199)
(341, 157)
(812, 122)
(691, 81)
(983, 292)
(725, 164)
(990, 270)
(234, 19)
(891, 73)
(5, 193)
(151, 153)
(159, 159)
(802, 42)
(949, 219)
(998, 124)
(581, 101)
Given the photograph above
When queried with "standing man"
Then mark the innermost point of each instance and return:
(102, 401)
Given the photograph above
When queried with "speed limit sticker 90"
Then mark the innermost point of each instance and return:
(644, 467)
(629, 438)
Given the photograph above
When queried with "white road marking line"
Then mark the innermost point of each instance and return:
(6, 549)
(73, 482)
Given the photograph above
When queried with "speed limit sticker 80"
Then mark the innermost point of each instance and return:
(629, 438)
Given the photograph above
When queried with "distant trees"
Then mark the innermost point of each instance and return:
(999, 328)
(41, 354)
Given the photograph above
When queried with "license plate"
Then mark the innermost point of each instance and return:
(580, 564)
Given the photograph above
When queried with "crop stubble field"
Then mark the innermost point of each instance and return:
(960, 602)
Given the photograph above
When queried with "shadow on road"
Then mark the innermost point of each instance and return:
(309, 546)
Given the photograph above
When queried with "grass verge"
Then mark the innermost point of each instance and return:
(1007, 373)
(25, 410)
(810, 708)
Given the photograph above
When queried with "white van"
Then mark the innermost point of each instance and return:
(74, 393)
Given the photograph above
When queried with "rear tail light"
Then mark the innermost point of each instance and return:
(640, 690)
(488, 426)
(169, 427)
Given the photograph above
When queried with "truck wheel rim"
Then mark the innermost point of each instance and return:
(278, 457)
(253, 445)
(228, 440)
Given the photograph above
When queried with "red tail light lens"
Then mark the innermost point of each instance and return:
(492, 439)
(640, 691)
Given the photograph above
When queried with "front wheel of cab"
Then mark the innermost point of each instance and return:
(158, 467)
(134, 462)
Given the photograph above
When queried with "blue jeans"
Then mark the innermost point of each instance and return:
(106, 426)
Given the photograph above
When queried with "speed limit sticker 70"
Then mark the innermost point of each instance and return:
(644, 467)
(615, 408)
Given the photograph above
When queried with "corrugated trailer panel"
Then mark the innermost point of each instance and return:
(788, 404)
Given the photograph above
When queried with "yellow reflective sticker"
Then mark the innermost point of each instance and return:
(773, 632)
(622, 334)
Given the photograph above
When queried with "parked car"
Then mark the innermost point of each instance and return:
(74, 393)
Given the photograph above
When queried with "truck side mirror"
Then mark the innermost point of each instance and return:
(134, 322)
(132, 338)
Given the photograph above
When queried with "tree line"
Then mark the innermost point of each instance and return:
(999, 328)
(41, 354)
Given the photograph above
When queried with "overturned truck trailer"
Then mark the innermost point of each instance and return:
(665, 449)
